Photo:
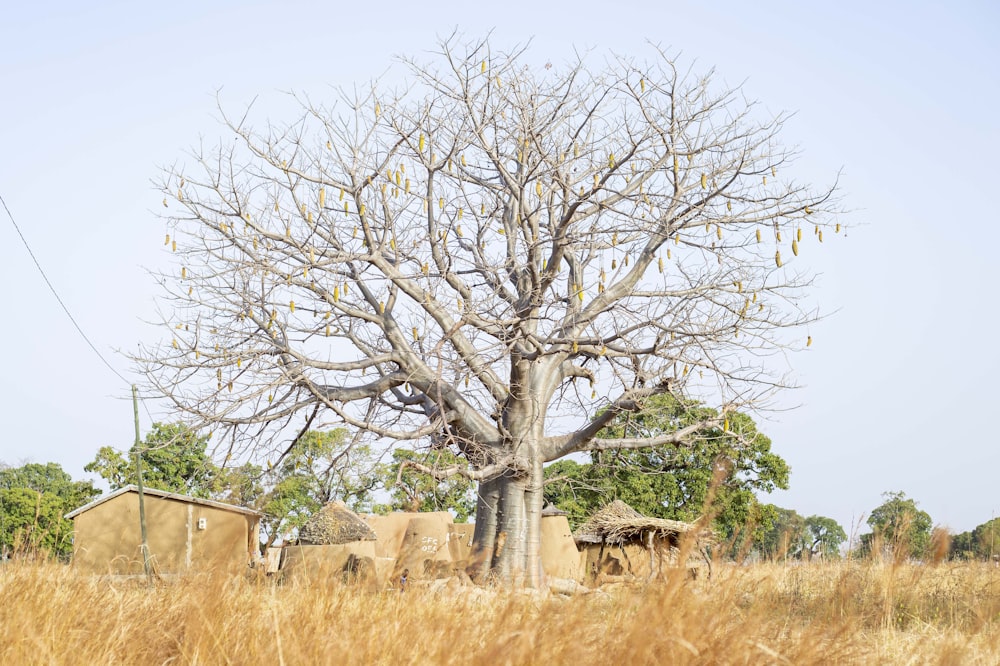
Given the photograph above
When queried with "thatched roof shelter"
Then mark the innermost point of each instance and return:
(619, 523)
(335, 524)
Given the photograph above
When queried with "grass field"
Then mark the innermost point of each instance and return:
(845, 612)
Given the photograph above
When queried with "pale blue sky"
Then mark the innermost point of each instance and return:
(900, 390)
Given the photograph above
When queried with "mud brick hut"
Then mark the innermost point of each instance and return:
(560, 556)
(620, 541)
(185, 534)
(334, 544)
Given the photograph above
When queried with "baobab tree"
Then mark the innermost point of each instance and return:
(485, 260)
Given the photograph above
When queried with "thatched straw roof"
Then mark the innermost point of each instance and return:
(335, 524)
(618, 523)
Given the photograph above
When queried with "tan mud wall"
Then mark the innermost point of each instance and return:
(107, 537)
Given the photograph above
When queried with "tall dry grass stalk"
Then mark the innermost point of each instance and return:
(850, 612)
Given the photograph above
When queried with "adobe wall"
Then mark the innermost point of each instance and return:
(107, 537)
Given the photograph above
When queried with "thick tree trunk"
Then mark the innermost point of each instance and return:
(533, 501)
(507, 543)
(487, 520)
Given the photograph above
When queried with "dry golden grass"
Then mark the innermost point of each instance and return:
(851, 613)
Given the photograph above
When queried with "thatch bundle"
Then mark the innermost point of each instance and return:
(619, 523)
(335, 524)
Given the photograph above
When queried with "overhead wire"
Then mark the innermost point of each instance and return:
(62, 304)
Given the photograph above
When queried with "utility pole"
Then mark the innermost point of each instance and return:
(138, 478)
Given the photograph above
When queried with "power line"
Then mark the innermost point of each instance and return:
(62, 304)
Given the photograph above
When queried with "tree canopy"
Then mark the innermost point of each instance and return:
(33, 500)
(898, 528)
(792, 536)
(174, 458)
(982, 543)
(717, 469)
(485, 257)
(412, 490)
(318, 468)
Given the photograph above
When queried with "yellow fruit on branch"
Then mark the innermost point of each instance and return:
(421, 142)
(795, 248)
(704, 181)
(777, 258)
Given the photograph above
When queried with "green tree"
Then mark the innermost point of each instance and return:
(785, 538)
(413, 490)
(33, 500)
(982, 543)
(317, 468)
(825, 537)
(174, 458)
(718, 469)
(898, 528)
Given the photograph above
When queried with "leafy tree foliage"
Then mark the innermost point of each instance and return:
(718, 469)
(982, 543)
(898, 528)
(784, 534)
(33, 500)
(318, 468)
(412, 490)
(825, 536)
(174, 459)
(785, 537)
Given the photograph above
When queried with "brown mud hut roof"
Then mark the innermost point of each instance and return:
(618, 523)
(335, 524)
